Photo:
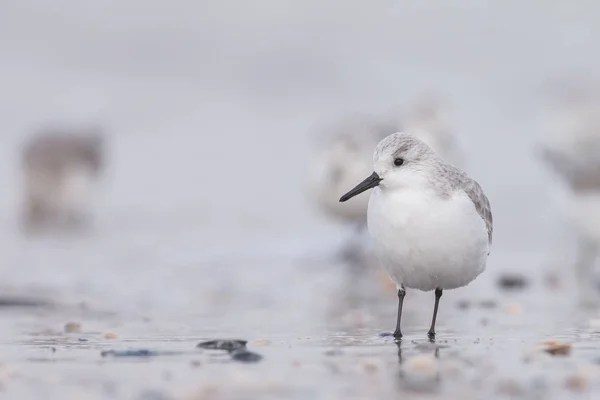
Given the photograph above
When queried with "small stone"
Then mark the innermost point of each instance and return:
(463, 304)
(512, 281)
(246, 356)
(72, 327)
(109, 335)
(334, 352)
(223, 344)
(556, 347)
(260, 342)
(128, 353)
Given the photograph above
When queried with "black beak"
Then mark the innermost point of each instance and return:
(367, 184)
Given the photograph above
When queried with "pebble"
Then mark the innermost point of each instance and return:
(128, 353)
(109, 335)
(246, 356)
(223, 344)
(514, 309)
(72, 327)
(556, 347)
(463, 304)
(260, 342)
(138, 353)
(512, 281)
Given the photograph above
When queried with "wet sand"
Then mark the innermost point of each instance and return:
(318, 334)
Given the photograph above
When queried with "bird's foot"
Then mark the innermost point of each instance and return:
(431, 336)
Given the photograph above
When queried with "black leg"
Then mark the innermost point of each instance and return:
(401, 294)
(397, 333)
(438, 294)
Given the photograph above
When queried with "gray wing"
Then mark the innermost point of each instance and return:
(482, 205)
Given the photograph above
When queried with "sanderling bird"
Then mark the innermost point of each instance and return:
(572, 151)
(57, 167)
(430, 223)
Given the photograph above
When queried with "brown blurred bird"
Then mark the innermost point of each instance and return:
(57, 165)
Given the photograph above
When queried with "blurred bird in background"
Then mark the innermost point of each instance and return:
(427, 120)
(346, 153)
(58, 165)
(571, 151)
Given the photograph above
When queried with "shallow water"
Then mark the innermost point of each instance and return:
(318, 331)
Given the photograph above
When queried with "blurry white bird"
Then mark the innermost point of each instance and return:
(331, 172)
(571, 149)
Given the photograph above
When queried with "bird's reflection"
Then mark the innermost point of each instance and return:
(419, 348)
(399, 346)
(418, 372)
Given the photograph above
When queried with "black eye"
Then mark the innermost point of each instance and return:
(398, 162)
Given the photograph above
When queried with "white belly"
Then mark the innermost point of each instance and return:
(426, 242)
